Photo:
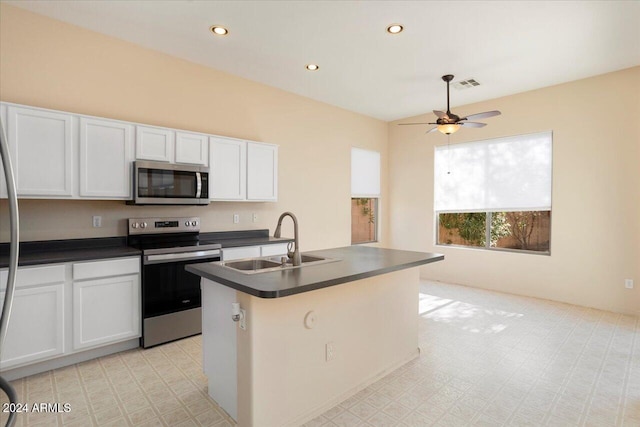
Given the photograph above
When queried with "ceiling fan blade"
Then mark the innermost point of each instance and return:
(432, 130)
(440, 114)
(403, 124)
(482, 115)
(472, 124)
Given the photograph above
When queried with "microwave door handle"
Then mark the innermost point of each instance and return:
(198, 185)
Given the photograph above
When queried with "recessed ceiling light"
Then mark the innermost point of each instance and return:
(219, 31)
(312, 67)
(395, 28)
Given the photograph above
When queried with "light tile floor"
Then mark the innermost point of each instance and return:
(488, 359)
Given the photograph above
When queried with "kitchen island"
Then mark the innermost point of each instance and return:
(313, 335)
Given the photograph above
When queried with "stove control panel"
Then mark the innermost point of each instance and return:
(163, 225)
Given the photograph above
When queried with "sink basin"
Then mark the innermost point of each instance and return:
(274, 263)
(252, 264)
(305, 259)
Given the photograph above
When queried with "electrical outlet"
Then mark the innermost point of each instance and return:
(255, 217)
(628, 283)
(236, 218)
(97, 221)
(243, 319)
(330, 352)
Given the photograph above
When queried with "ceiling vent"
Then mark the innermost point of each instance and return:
(465, 84)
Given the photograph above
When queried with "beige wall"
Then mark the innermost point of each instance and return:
(595, 235)
(50, 64)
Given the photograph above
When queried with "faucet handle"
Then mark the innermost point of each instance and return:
(284, 260)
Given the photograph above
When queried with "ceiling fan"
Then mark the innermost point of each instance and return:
(449, 123)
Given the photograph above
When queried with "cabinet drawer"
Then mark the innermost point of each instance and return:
(30, 276)
(278, 249)
(241, 252)
(113, 267)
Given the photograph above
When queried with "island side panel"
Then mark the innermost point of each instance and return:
(284, 378)
(219, 344)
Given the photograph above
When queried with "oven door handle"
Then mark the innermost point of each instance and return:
(156, 259)
(198, 185)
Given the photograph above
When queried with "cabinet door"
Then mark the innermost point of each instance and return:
(106, 153)
(228, 169)
(192, 148)
(154, 144)
(106, 310)
(36, 327)
(262, 172)
(41, 145)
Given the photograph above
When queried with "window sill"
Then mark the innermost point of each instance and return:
(507, 250)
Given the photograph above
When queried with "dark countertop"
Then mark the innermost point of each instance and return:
(355, 263)
(58, 251)
(232, 239)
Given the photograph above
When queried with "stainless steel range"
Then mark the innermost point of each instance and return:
(170, 295)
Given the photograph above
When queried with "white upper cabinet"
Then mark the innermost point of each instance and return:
(71, 156)
(154, 144)
(192, 148)
(262, 172)
(41, 144)
(106, 153)
(228, 169)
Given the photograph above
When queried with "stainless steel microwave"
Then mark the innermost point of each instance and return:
(158, 183)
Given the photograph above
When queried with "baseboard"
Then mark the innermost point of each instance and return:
(72, 359)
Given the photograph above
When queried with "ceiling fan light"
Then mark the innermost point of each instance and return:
(448, 129)
(218, 30)
(395, 29)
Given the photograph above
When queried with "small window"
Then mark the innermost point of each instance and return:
(365, 193)
(364, 214)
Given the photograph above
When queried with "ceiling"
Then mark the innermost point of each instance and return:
(508, 47)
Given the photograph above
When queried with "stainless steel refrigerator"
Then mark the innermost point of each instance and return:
(13, 262)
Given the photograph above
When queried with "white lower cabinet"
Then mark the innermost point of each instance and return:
(36, 328)
(61, 309)
(105, 310)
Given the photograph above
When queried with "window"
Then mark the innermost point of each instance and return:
(495, 194)
(365, 192)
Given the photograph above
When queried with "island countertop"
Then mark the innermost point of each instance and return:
(354, 263)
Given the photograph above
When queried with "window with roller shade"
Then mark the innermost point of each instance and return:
(365, 193)
(495, 194)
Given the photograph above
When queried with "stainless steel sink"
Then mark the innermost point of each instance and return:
(252, 264)
(274, 263)
(304, 258)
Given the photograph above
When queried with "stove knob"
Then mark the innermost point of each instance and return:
(194, 223)
(143, 225)
(186, 223)
(134, 225)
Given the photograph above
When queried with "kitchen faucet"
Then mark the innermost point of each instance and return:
(295, 255)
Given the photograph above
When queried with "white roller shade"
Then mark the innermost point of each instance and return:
(504, 174)
(365, 173)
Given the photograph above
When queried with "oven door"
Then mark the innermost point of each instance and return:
(171, 297)
(167, 287)
(159, 183)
